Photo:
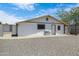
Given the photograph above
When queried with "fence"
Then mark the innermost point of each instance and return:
(74, 29)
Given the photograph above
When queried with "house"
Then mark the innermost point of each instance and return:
(7, 30)
(44, 25)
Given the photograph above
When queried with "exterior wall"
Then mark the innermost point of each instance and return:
(43, 19)
(74, 29)
(1, 30)
(53, 29)
(6, 28)
(48, 28)
(13, 29)
(61, 31)
(26, 29)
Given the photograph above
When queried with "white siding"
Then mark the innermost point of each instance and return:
(53, 30)
(31, 29)
(48, 28)
(26, 29)
(43, 19)
(61, 31)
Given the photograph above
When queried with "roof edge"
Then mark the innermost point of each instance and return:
(43, 16)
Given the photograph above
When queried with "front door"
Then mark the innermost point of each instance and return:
(59, 29)
(53, 29)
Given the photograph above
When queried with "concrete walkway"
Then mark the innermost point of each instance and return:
(22, 37)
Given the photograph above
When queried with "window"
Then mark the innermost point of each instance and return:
(41, 26)
(46, 19)
(59, 27)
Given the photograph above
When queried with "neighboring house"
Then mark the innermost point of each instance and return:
(7, 30)
(74, 29)
(74, 26)
(44, 25)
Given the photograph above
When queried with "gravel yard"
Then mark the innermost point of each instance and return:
(49, 46)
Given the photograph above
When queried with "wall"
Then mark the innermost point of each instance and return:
(31, 29)
(53, 29)
(6, 28)
(43, 19)
(73, 29)
(25, 29)
(61, 31)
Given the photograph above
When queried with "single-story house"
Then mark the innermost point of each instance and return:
(44, 25)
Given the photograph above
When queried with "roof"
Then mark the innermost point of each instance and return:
(59, 21)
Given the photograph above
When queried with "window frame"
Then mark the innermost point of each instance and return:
(58, 27)
(42, 27)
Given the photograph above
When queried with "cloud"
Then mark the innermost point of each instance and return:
(77, 5)
(49, 11)
(6, 18)
(71, 6)
(25, 6)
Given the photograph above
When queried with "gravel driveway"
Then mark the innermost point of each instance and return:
(50, 46)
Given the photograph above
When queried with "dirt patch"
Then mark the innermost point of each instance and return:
(49, 46)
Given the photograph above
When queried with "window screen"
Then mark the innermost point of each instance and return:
(59, 27)
(41, 26)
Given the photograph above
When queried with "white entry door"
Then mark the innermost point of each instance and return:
(59, 29)
(53, 29)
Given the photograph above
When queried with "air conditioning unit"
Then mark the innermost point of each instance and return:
(46, 32)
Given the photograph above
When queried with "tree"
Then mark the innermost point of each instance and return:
(72, 15)
(67, 16)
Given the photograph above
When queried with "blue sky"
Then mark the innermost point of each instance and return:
(15, 12)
